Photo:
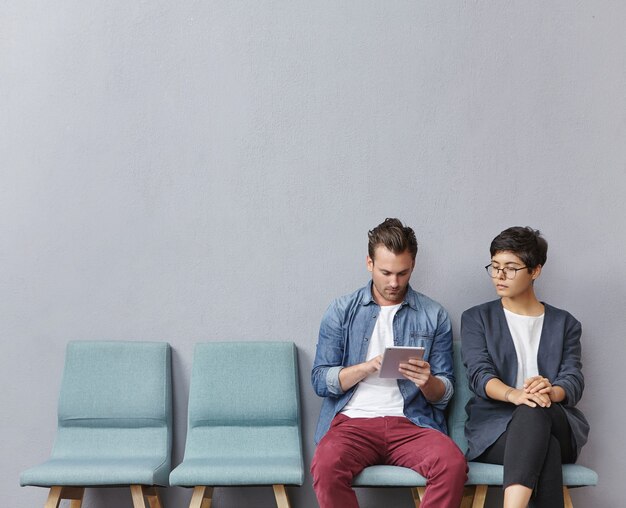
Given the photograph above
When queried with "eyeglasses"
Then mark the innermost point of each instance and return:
(508, 272)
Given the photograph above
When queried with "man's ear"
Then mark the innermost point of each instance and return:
(370, 264)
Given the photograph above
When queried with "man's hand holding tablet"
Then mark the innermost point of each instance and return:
(394, 356)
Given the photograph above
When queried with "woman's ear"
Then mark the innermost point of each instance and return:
(536, 272)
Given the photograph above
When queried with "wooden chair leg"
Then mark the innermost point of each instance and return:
(57, 494)
(480, 496)
(567, 498)
(54, 497)
(468, 496)
(282, 501)
(415, 492)
(76, 497)
(201, 497)
(136, 491)
(418, 495)
(152, 494)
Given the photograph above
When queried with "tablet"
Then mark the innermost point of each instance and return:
(396, 355)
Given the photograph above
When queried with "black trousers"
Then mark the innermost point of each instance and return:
(532, 449)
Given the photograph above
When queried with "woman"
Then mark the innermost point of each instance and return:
(524, 369)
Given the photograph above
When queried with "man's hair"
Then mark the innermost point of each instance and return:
(392, 235)
(525, 242)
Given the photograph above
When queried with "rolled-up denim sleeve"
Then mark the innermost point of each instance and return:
(329, 354)
(443, 401)
(441, 362)
(332, 380)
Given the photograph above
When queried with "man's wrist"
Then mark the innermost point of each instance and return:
(434, 389)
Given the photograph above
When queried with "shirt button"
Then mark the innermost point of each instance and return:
(365, 339)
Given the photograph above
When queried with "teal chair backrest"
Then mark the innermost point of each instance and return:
(115, 400)
(456, 409)
(244, 398)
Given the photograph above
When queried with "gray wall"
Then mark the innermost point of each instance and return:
(191, 171)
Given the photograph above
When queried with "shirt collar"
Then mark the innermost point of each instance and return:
(410, 298)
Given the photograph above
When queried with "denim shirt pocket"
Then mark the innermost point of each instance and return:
(424, 340)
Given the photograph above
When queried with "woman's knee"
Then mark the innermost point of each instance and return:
(524, 411)
(531, 418)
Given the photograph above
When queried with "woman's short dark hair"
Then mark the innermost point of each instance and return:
(394, 236)
(525, 242)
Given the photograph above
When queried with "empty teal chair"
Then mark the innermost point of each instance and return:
(244, 420)
(114, 423)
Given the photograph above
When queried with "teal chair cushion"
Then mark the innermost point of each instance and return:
(114, 417)
(493, 474)
(388, 476)
(394, 476)
(244, 416)
(96, 472)
(227, 471)
(575, 475)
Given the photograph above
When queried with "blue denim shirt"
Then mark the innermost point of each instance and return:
(344, 337)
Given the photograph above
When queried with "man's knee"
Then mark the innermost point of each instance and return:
(322, 462)
(450, 463)
(455, 463)
(329, 465)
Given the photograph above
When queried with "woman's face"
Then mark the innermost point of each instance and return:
(522, 281)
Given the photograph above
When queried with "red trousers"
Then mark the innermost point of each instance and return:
(351, 444)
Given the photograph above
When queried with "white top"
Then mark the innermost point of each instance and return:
(374, 396)
(526, 333)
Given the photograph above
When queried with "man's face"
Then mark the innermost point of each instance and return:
(390, 275)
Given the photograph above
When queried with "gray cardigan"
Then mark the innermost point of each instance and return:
(488, 352)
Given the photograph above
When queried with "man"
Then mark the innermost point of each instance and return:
(366, 419)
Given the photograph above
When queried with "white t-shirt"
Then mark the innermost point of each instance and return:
(374, 396)
(526, 333)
